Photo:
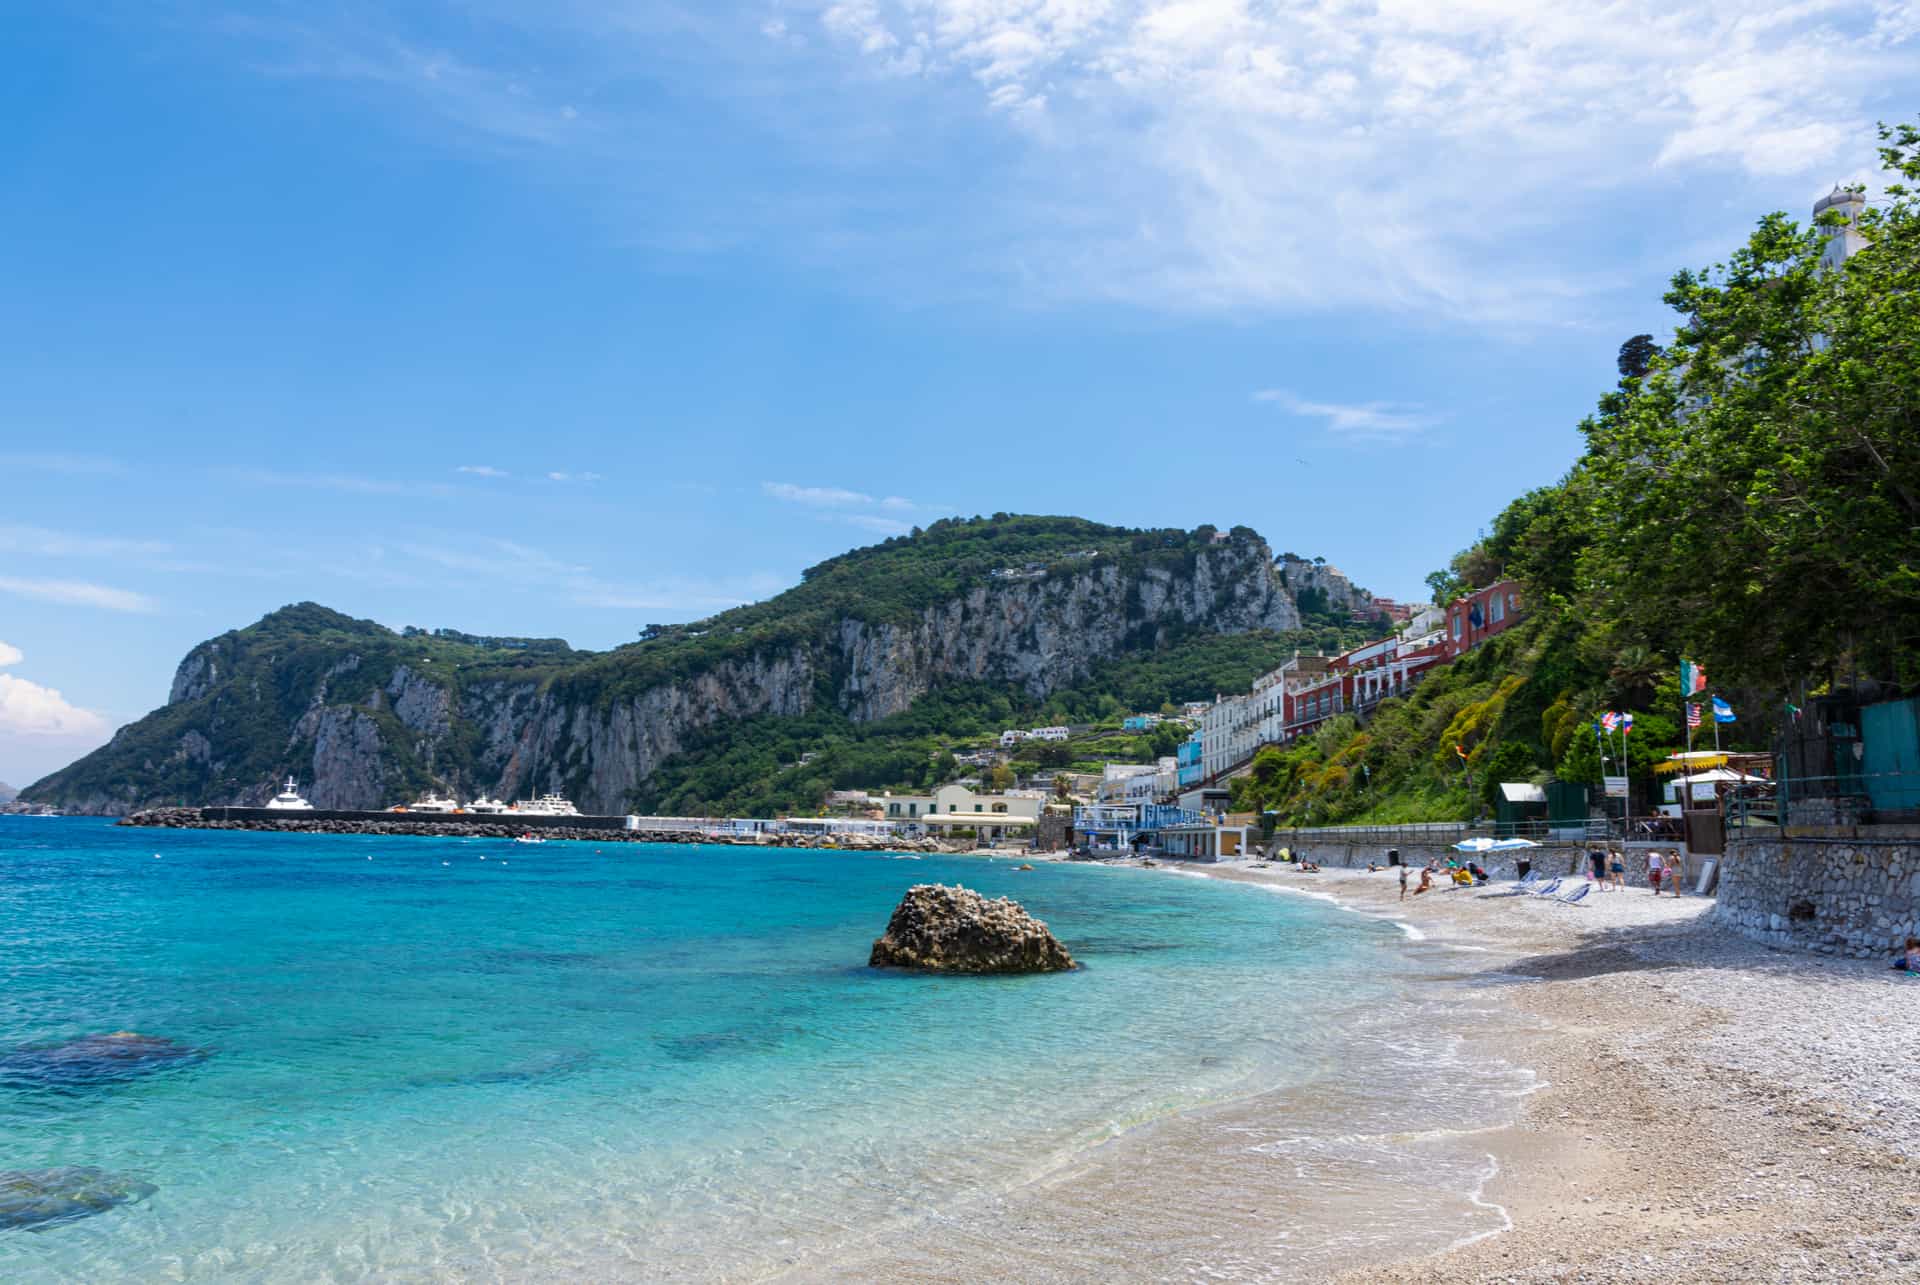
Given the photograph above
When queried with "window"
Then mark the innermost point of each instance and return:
(978, 808)
(1456, 626)
(1499, 609)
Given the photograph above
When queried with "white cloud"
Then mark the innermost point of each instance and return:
(826, 496)
(573, 477)
(10, 655)
(76, 593)
(1356, 420)
(40, 542)
(482, 470)
(32, 710)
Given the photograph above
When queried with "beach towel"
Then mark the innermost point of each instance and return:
(1577, 893)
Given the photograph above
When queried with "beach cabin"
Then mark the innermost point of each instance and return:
(1520, 807)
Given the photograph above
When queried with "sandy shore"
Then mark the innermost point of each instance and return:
(1709, 1110)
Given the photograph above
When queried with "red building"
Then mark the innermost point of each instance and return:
(1475, 617)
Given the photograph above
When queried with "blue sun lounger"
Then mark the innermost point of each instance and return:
(1546, 890)
(1576, 894)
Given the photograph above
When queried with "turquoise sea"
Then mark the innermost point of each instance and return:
(467, 1059)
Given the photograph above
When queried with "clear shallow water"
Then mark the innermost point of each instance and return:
(464, 1058)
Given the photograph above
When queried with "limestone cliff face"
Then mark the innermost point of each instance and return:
(366, 718)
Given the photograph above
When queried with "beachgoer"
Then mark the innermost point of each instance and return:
(1675, 871)
(1654, 870)
(1479, 875)
(1598, 860)
(1617, 867)
(1908, 960)
(1426, 881)
(1403, 883)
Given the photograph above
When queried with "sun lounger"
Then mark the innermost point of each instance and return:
(1547, 890)
(1576, 894)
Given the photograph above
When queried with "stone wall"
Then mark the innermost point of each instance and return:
(1851, 891)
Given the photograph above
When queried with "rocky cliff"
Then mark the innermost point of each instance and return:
(363, 717)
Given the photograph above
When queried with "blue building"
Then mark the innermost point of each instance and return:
(1188, 758)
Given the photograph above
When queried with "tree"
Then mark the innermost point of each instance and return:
(1000, 777)
(1062, 786)
(1761, 487)
(1636, 357)
(1446, 587)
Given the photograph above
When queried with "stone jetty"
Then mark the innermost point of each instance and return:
(957, 930)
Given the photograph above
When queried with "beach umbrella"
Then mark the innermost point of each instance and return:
(1508, 845)
(1481, 844)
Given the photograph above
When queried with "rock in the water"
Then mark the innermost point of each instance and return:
(32, 1198)
(93, 1059)
(956, 930)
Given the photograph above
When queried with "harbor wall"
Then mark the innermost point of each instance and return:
(1852, 890)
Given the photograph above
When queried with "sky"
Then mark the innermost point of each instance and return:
(563, 319)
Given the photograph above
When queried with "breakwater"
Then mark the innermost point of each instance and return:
(596, 829)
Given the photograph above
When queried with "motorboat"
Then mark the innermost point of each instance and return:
(289, 800)
(434, 803)
(529, 837)
(486, 805)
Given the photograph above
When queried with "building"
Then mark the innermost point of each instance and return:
(1141, 722)
(1845, 241)
(1398, 612)
(1048, 734)
(1485, 613)
(1118, 782)
(1187, 763)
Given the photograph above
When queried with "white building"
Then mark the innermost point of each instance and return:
(1047, 734)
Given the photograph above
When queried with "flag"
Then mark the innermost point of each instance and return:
(1722, 712)
(1793, 711)
(1693, 716)
(1626, 724)
(1692, 678)
(1461, 750)
(1609, 721)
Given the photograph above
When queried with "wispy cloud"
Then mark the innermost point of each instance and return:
(482, 470)
(40, 542)
(824, 496)
(60, 462)
(28, 709)
(573, 477)
(1356, 420)
(76, 593)
(347, 483)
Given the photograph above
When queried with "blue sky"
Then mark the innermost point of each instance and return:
(560, 319)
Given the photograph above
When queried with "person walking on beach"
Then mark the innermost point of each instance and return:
(1617, 869)
(1598, 860)
(1403, 883)
(1653, 870)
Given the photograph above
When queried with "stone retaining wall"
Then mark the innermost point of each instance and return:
(1854, 891)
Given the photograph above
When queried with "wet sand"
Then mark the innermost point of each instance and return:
(1706, 1110)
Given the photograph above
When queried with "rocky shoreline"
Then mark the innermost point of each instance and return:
(195, 819)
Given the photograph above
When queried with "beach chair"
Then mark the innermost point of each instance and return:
(1574, 896)
(1547, 889)
(1532, 876)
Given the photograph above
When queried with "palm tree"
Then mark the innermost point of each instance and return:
(1633, 674)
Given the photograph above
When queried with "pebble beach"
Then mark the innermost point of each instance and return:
(1704, 1109)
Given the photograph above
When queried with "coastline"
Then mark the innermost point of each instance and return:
(1706, 1109)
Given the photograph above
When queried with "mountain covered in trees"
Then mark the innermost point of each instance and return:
(860, 676)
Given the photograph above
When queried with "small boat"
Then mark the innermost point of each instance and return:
(529, 837)
(289, 800)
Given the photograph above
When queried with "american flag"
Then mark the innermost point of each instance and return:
(1693, 716)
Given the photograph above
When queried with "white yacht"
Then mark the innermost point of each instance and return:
(487, 805)
(289, 800)
(547, 805)
(434, 803)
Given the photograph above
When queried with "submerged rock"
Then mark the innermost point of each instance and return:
(956, 930)
(93, 1059)
(31, 1198)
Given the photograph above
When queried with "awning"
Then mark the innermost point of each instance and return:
(976, 819)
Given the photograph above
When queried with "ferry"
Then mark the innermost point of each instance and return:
(289, 800)
(547, 805)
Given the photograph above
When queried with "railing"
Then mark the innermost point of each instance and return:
(1447, 833)
(1860, 798)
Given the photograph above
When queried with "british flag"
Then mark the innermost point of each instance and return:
(1610, 720)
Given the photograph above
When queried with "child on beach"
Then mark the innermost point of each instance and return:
(1908, 960)
(1403, 883)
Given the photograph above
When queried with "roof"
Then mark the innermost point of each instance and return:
(1522, 792)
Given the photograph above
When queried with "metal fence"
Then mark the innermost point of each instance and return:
(1447, 833)
(1859, 798)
